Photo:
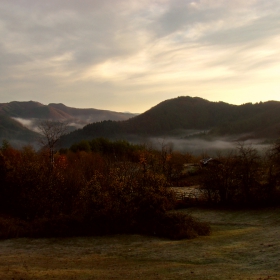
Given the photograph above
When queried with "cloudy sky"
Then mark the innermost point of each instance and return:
(129, 55)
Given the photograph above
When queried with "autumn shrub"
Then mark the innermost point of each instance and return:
(11, 227)
(58, 226)
(32, 185)
(3, 185)
(124, 199)
(243, 178)
(147, 209)
(176, 225)
(85, 193)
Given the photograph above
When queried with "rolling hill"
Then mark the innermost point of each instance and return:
(182, 115)
(36, 110)
(18, 120)
(13, 130)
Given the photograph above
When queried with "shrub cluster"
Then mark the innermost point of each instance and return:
(244, 178)
(89, 191)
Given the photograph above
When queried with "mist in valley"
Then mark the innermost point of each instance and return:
(213, 147)
(195, 142)
(33, 123)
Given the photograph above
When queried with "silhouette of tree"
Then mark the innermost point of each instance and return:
(51, 131)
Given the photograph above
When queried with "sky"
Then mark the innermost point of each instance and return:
(130, 55)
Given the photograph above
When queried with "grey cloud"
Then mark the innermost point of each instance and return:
(55, 27)
(42, 39)
(257, 30)
(10, 59)
(242, 61)
(88, 28)
(51, 6)
(180, 16)
(176, 17)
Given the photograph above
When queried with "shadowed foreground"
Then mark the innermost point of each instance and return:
(243, 245)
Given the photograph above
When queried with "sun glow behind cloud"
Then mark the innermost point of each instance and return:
(130, 55)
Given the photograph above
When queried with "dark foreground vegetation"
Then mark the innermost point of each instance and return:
(244, 244)
(243, 178)
(94, 188)
(101, 187)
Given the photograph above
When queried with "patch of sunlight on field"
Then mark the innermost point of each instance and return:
(243, 245)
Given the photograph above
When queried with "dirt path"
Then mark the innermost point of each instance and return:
(244, 245)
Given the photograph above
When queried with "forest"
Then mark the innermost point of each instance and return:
(101, 187)
(176, 116)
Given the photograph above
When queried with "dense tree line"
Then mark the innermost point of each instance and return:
(243, 178)
(100, 187)
(95, 187)
(184, 113)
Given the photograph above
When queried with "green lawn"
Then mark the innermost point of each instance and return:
(243, 245)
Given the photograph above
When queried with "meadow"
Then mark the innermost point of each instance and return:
(106, 210)
(244, 244)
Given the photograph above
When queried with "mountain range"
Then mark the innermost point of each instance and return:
(19, 120)
(187, 117)
(184, 117)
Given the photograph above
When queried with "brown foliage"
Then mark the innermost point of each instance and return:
(86, 192)
(243, 178)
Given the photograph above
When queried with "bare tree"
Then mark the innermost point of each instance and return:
(273, 163)
(51, 131)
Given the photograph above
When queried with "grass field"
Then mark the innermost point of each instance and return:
(243, 245)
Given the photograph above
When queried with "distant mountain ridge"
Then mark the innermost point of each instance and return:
(13, 130)
(18, 119)
(216, 117)
(181, 117)
(174, 116)
(32, 109)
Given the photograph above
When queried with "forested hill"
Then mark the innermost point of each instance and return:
(58, 111)
(179, 113)
(18, 120)
(186, 113)
(11, 129)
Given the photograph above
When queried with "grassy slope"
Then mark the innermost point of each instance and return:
(244, 245)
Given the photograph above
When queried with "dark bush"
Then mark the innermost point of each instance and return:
(180, 226)
(86, 192)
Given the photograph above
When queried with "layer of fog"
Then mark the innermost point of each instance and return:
(32, 124)
(186, 141)
(212, 147)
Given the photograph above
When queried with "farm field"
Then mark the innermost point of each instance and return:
(243, 245)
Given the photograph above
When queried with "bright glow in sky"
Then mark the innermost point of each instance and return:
(129, 55)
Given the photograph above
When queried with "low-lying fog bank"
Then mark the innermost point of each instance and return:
(198, 146)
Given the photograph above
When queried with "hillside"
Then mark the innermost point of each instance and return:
(219, 118)
(19, 119)
(181, 115)
(11, 129)
(261, 120)
(36, 110)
